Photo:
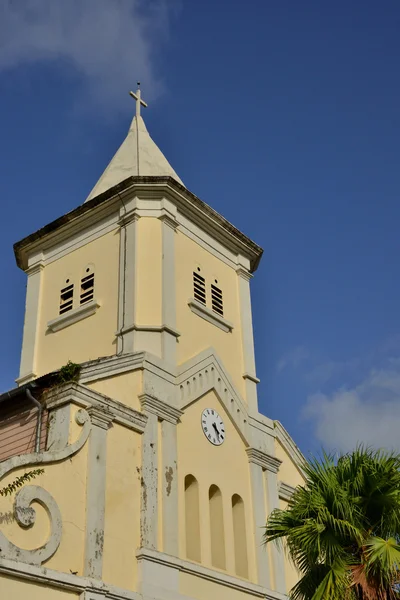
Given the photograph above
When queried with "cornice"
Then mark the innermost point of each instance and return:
(244, 273)
(223, 579)
(87, 398)
(264, 460)
(49, 578)
(157, 188)
(287, 442)
(100, 417)
(157, 407)
(151, 328)
(252, 378)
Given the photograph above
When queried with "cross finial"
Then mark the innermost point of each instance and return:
(138, 99)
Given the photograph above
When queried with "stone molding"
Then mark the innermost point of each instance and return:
(264, 460)
(184, 566)
(156, 406)
(169, 219)
(151, 328)
(206, 372)
(252, 378)
(35, 268)
(96, 218)
(25, 378)
(244, 273)
(285, 490)
(100, 417)
(73, 316)
(205, 313)
(287, 442)
(85, 397)
(110, 366)
(64, 581)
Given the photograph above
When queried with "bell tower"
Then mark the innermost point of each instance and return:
(159, 469)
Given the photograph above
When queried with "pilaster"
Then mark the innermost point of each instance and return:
(127, 280)
(156, 410)
(57, 437)
(259, 520)
(169, 339)
(249, 374)
(32, 306)
(96, 492)
(271, 486)
(268, 466)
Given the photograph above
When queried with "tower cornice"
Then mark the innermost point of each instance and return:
(153, 189)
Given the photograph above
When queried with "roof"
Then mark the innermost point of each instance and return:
(138, 155)
(189, 202)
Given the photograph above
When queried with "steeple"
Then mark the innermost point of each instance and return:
(137, 155)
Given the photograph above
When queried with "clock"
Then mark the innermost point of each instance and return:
(213, 426)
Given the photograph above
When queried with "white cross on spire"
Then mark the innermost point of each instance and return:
(138, 99)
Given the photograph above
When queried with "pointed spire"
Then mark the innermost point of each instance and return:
(137, 155)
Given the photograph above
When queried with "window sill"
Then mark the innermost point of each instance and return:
(205, 313)
(73, 316)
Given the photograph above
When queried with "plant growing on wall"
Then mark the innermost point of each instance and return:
(19, 482)
(69, 372)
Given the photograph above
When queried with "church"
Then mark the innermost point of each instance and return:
(137, 400)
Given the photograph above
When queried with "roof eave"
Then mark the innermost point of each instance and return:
(251, 249)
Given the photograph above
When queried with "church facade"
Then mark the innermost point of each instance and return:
(137, 396)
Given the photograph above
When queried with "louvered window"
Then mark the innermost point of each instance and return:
(66, 297)
(199, 287)
(87, 288)
(216, 300)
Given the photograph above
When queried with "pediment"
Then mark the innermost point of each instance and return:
(204, 373)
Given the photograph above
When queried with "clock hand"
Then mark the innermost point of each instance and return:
(216, 429)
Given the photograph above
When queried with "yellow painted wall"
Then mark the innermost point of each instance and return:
(125, 388)
(122, 515)
(214, 465)
(196, 333)
(15, 589)
(93, 336)
(149, 271)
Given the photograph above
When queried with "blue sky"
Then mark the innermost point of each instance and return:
(284, 116)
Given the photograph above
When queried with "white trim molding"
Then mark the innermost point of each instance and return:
(185, 566)
(285, 490)
(164, 411)
(264, 460)
(205, 313)
(73, 316)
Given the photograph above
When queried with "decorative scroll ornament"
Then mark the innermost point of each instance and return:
(25, 514)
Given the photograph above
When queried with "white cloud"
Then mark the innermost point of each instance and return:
(368, 413)
(293, 359)
(110, 43)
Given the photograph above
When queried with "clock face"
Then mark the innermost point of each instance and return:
(213, 426)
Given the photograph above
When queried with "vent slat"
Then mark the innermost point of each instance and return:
(216, 300)
(199, 288)
(87, 288)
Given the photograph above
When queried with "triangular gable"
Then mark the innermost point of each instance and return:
(206, 372)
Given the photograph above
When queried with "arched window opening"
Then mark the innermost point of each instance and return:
(192, 518)
(217, 533)
(87, 285)
(66, 296)
(239, 537)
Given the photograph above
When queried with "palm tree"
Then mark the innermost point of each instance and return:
(342, 528)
